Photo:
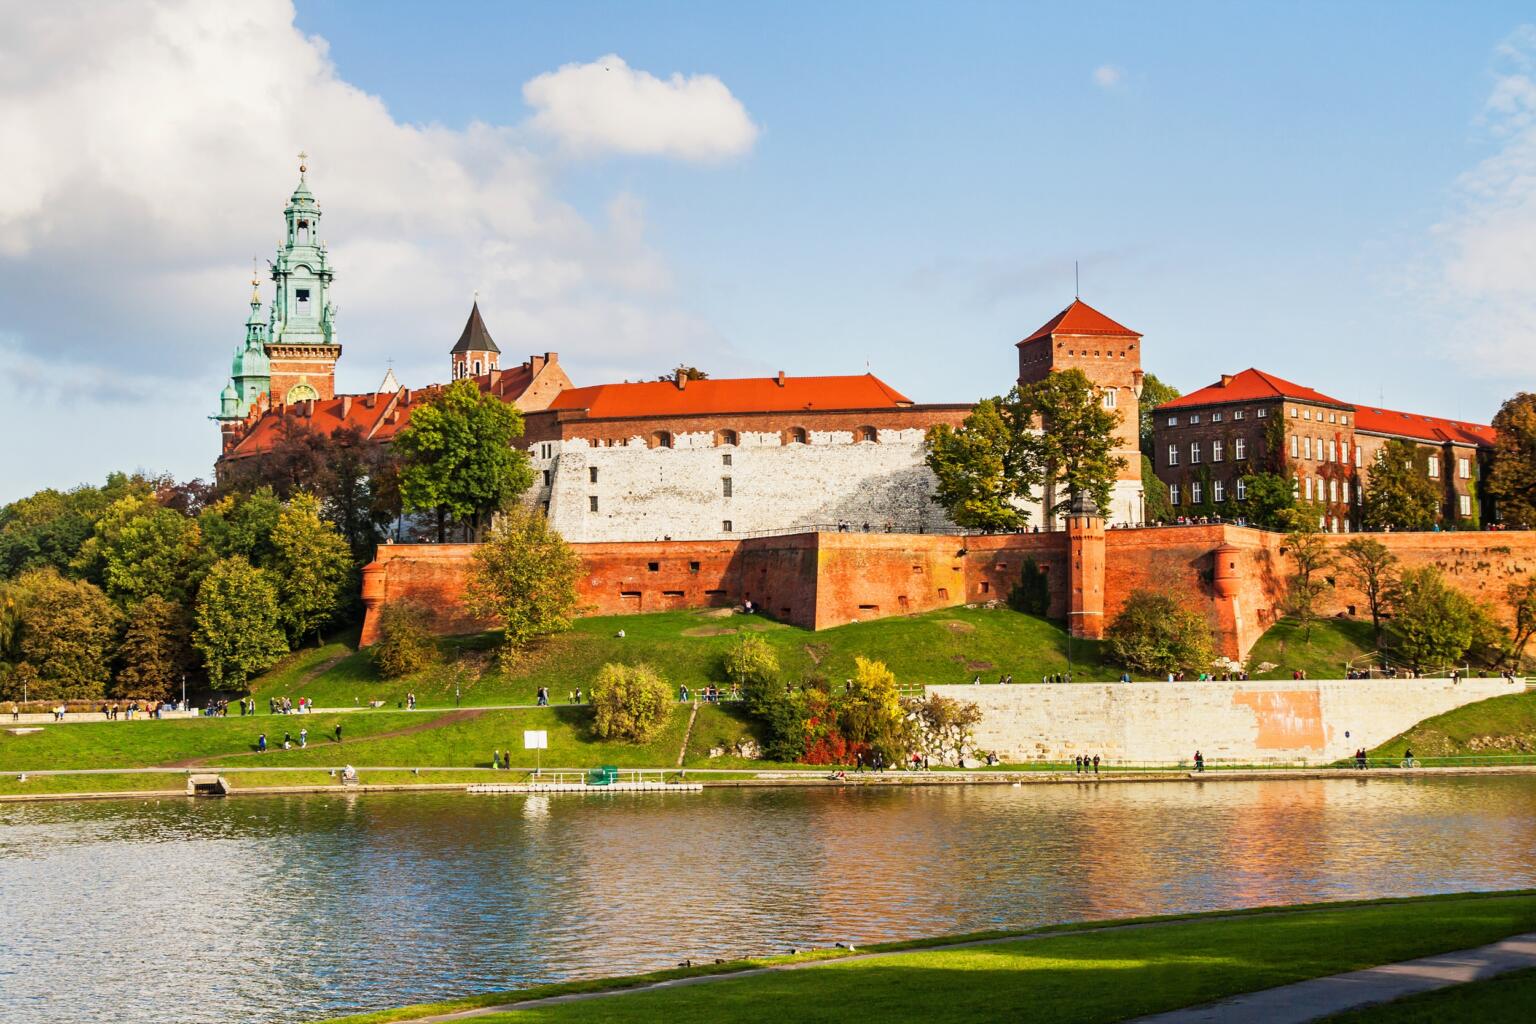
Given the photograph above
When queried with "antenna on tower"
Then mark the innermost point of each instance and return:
(1077, 282)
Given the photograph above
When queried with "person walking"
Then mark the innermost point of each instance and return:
(495, 759)
(338, 732)
(1095, 764)
(303, 737)
(261, 744)
(1199, 761)
(858, 761)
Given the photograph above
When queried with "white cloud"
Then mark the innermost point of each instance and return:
(608, 107)
(1487, 278)
(149, 149)
(1107, 76)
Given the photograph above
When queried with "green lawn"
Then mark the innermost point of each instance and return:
(1511, 997)
(1075, 977)
(1334, 642)
(1500, 725)
(110, 782)
(951, 646)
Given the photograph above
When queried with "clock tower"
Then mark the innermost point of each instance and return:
(301, 341)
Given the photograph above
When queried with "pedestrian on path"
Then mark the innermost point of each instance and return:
(261, 744)
(338, 732)
(1095, 764)
(495, 759)
(858, 761)
(1199, 761)
(303, 738)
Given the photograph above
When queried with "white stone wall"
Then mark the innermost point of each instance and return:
(646, 494)
(1313, 720)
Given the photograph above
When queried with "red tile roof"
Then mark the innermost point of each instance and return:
(1249, 386)
(751, 394)
(1080, 318)
(1424, 428)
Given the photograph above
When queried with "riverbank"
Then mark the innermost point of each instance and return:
(100, 785)
(1078, 973)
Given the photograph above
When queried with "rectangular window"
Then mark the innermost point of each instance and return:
(1295, 412)
(1346, 488)
(1173, 455)
(1344, 418)
(1295, 447)
(652, 566)
(725, 460)
(1434, 467)
(592, 474)
(1173, 421)
(1309, 488)
(1239, 448)
(1466, 504)
(1306, 414)
(1173, 494)
(547, 476)
(1332, 418)
(1260, 414)
(693, 566)
(592, 502)
(1241, 489)
(1357, 456)
(725, 486)
(1109, 398)
(1463, 468)
(1195, 492)
(1217, 450)
(1306, 447)
(1333, 451)
(1333, 491)
(1194, 418)
(1215, 417)
(725, 527)
(1194, 453)
(1218, 490)
(1238, 414)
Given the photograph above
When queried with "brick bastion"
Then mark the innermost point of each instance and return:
(1317, 721)
(818, 580)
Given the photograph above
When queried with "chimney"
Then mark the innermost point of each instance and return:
(780, 380)
(535, 364)
(405, 396)
(346, 405)
(370, 400)
(495, 378)
(681, 378)
(551, 357)
(1226, 379)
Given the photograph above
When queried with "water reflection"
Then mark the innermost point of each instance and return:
(284, 909)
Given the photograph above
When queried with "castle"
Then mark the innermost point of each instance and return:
(810, 497)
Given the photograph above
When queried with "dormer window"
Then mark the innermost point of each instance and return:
(301, 299)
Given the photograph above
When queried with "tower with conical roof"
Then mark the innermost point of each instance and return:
(250, 372)
(301, 344)
(476, 351)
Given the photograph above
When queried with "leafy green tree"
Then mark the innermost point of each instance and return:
(1522, 598)
(524, 576)
(48, 528)
(1032, 594)
(688, 372)
(630, 703)
(140, 548)
(242, 525)
(1269, 501)
(872, 712)
(1155, 634)
(1155, 492)
(356, 492)
(1310, 555)
(1372, 567)
(1432, 623)
(1076, 446)
(1512, 482)
(946, 728)
(457, 457)
(752, 664)
(238, 628)
(1153, 394)
(406, 644)
(155, 650)
(65, 635)
(313, 564)
(1397, 495)
(981, 469)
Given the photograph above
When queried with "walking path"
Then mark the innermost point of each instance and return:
(1288, 1004)
(1324, 997)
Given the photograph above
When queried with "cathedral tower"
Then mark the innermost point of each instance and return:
(475, 352)
(301, 344)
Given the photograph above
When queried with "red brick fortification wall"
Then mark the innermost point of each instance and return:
(1480, 565)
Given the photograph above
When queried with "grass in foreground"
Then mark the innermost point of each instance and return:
(1510, 997)
(950, 646)
(1500, 725)
(1069, 975)
(242, 780)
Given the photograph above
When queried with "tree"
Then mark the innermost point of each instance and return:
(49, 527)
(1522, 597)
(155, 650)
(312, 563)
(752, 664)
(524, 576)
(242, 525)
(688, 372)
(630, 703)
(1155, 492)
(872, 712)
(294, 462)
(1153, 394)
(1155, 634)
(1432, 624)
(946, 727)
(357, 490)
(238, 629)
(1512, 481)
(406, 644)
(140, 548)
(65, 631)
(1370, 565)
(1397, 495)
(1309, 553)
(981, 469)
(457, 457)
(1076, 445)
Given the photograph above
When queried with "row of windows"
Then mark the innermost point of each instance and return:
(1193, 419)
(1314, 448)
(726, 488)
(1306, 414)
(1218, 451)
(722, 439)
(1218, 491)
(1332, 493)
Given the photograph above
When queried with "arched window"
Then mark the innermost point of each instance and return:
(863, 434)
(796, 435)
(477, 367)
(661, 439)
(725, 437)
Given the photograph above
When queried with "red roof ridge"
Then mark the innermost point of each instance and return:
(1250, 385)
(1080, 318)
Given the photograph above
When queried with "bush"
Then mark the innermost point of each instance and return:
(406, 645)
(1153, 634)
(872, 714)
(753, 665)
(630, 703)
(1032, 595)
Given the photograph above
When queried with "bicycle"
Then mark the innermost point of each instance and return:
(1409, 762)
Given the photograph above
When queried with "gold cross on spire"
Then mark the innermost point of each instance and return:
(303, 162)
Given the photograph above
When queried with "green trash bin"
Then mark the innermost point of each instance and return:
(604, 776)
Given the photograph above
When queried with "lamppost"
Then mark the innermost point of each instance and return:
(183, 691)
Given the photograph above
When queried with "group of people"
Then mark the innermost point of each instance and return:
(285, 705)
(111, 712)
(288, 742)
(1082, 763)
(876, 761)
(709, 694)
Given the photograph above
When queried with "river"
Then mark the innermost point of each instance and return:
(292, 908)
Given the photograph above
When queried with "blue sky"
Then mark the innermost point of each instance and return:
(1333, 192)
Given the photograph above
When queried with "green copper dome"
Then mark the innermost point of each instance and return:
(229, 402)
(251, 361)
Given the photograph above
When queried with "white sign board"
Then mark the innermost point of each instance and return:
(535, 739)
